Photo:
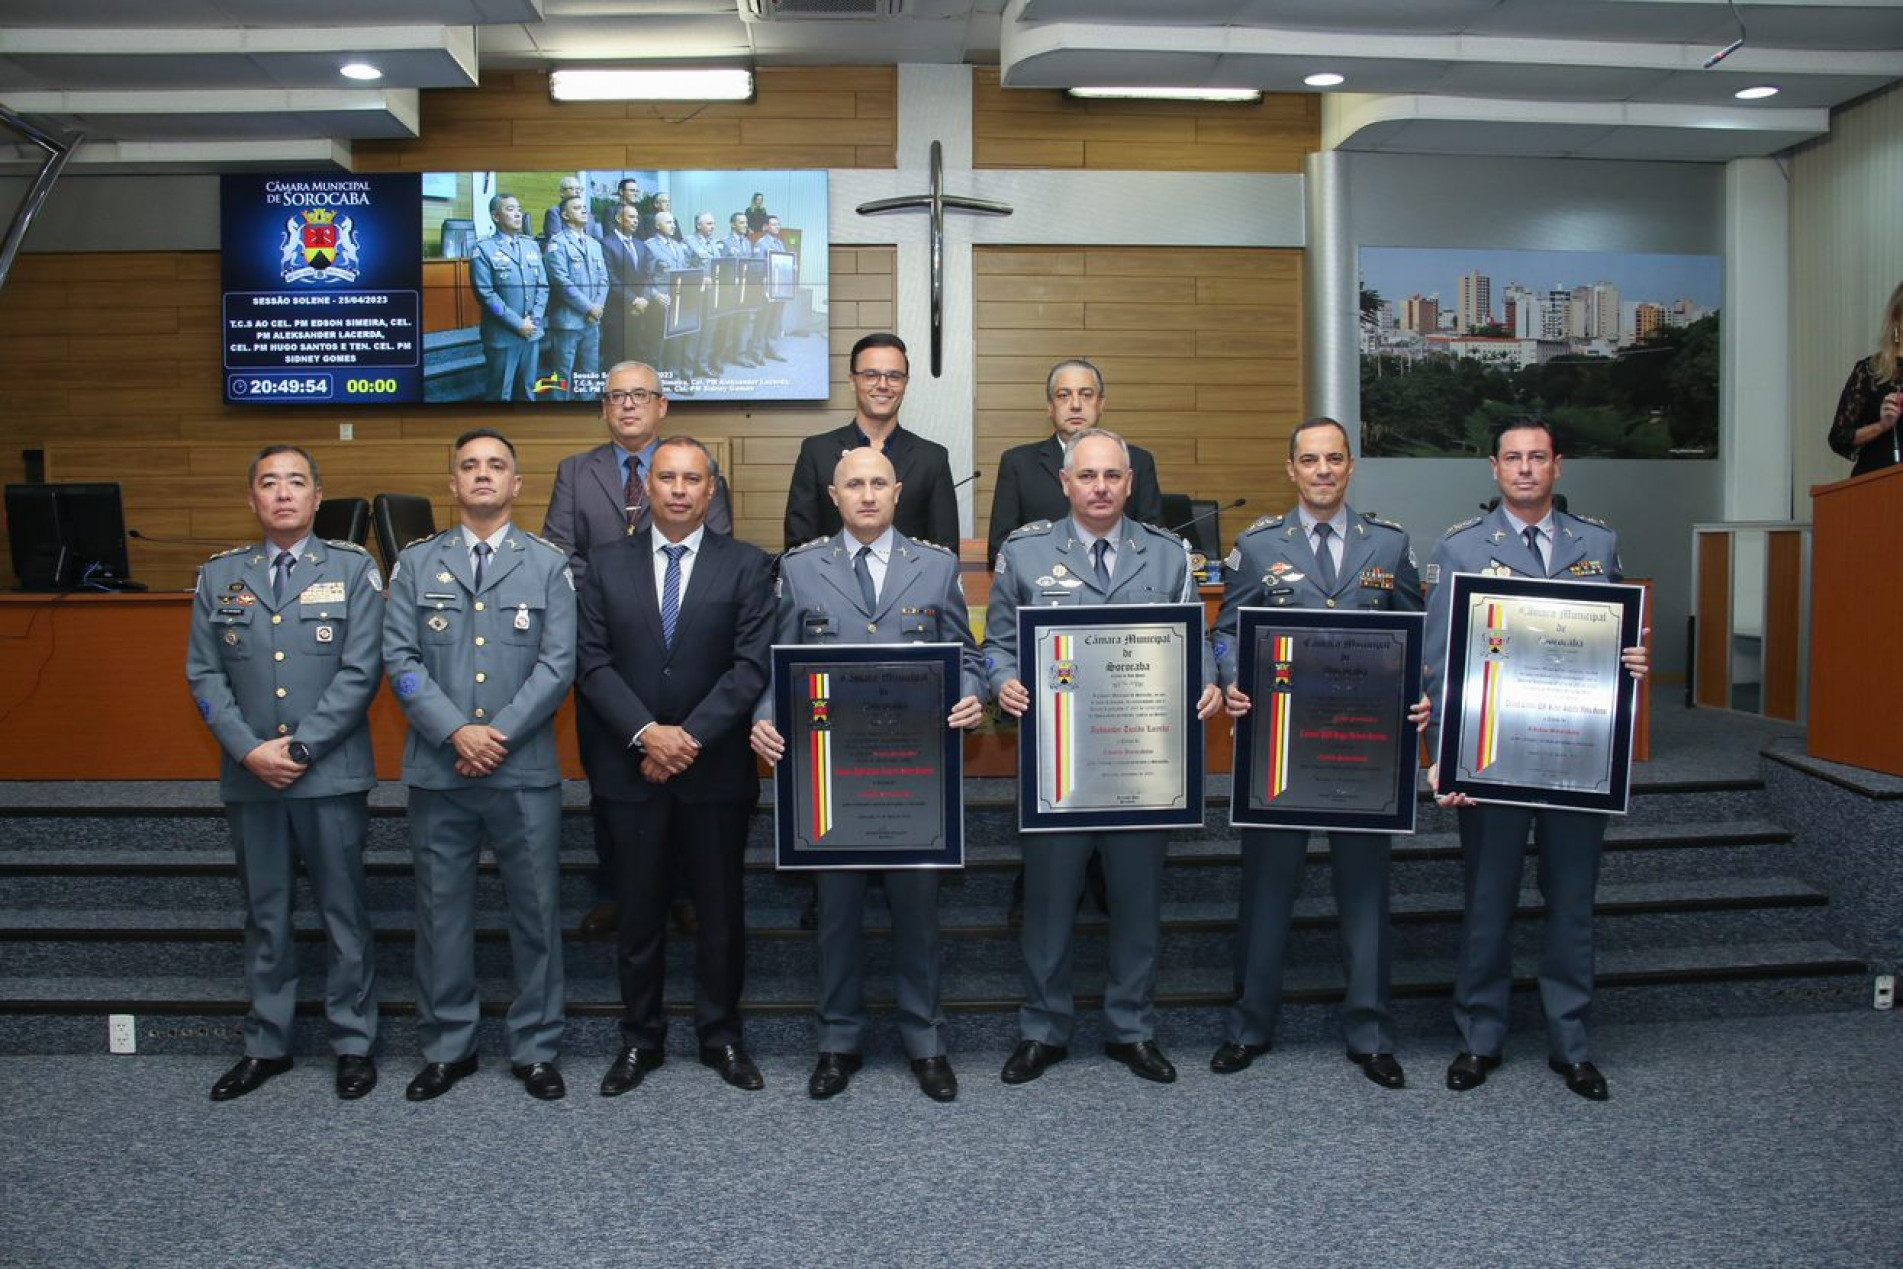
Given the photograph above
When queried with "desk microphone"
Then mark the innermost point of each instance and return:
(1229, 506)
(967, 480)
(147, 537)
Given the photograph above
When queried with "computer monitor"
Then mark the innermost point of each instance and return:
(69, 537)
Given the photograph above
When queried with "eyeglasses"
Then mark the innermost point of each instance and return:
(872, 378)
(630, 396)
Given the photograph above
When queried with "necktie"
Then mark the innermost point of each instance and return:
(285, 562)
(671, 592)
(482, 557)
(1532, 536)
(868, 593)
(1098, 551)
(1325, 557)
(635, 496)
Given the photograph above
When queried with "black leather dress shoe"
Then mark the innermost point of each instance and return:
(600, 921)
(1231, 1057)
(246, 1076)
(542, 1079)
(734, 1066)
(831, 1074)
(1030, 1059)
(1380, 1067)
(1469, 1070)
(356, 1076)
(626, 1073)
(935, 1078)
(1144, 1059)
(438, 1078)
(1583, 1078)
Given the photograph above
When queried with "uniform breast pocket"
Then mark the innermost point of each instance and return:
(1057, 599)
(521, 619)
(915, 628)
(817, 626)
(1280, 596)
(322, 634)
(439, 621)
(234, 635)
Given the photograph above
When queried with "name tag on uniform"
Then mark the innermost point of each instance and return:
(322, 593)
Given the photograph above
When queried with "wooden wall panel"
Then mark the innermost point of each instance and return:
(1210, 386)
(1783, 625)
(150, 413)
(1042, 128)
(1711, 665)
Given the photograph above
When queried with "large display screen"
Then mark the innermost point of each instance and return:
(403, 288)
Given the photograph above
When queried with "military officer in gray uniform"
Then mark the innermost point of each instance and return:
(506, 273)
(871, 584)
(1525, 535)
(1093, 556)
(283, 663)
(479, 644)
(578, 284)
(1321, 555)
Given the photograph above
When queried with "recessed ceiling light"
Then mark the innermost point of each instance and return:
(1323, 79)
(360, 70)
(1173, 94)
(1755, 94)
(698, 83)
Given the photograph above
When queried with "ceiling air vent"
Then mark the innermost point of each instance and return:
(818, 10)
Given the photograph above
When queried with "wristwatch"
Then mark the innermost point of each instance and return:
(299, 752)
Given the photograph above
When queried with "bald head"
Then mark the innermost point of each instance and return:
(865, 488)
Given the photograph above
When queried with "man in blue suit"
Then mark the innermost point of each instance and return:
(1525, 535)
(624, 320)
(578, 279)
(511, 285)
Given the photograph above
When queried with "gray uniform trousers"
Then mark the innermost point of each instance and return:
(447, 828)
(1493, 854)
(912, 896)
(1273, 861)
(1054, 866)
(326, 835)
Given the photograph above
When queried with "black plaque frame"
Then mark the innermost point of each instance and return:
(795, 851)
(686, 297)
(1257, 734)
(783, 276)
(1457, 729)
(1189, 619)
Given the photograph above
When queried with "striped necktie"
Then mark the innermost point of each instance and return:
(671, 592)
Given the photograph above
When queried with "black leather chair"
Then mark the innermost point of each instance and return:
(344, 520)
(401, 519)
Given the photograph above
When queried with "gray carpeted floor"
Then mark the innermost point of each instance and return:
(1748, 1142)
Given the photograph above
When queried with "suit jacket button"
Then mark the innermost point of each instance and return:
(282, 693)
(480, 714)
(277, 619)
(872, 627)
(284, 729)
(478, 605)
(667, 672)
(1331, 603)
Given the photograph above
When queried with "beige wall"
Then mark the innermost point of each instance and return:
(1846, 255)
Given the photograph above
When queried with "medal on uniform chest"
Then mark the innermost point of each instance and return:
(1058, 570)
(444, 577)
(325, 634)
(522, 617)
(439, 624)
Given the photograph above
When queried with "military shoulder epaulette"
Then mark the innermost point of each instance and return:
(804, 546)
(1372, 518)
(229, 551)
(1026, 530)
(542, 541)
(1464, 524)
(933, 546)
(344, 544)
(1165, 534)
(1273, 521)
(1589, 519)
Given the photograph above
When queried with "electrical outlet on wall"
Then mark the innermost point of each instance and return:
(122, 1033)
(1886, 991)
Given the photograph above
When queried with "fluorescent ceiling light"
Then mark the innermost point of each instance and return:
(1323, 79)
(1755, 94)
(703, 83)
(360, 70)
(1173, 94)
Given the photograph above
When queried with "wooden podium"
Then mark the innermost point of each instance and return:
(1856, 687)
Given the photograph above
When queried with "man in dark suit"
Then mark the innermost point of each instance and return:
(601, 496)
(624, 320)
(674, 630)
(1526, 535)
(879, 370)
(1028, 487)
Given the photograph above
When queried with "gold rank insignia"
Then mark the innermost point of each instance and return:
(445, 576)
